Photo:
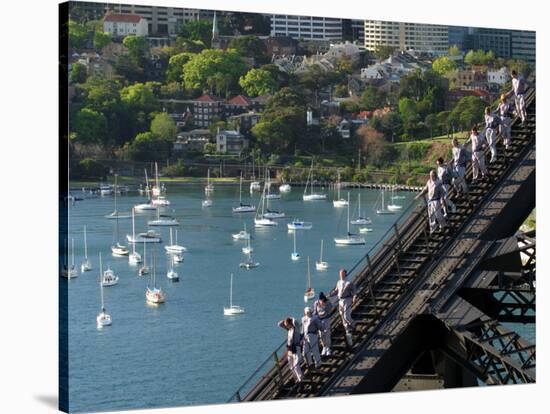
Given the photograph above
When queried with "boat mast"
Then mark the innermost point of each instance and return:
(144, 252)
(133, 232)
(85, 245)
(294, 235)
(101, 284)
(348, 214)
(359, 206)
(338, 184)
(171, 242)
(231, 292)
(72, 252)
(308, 275)
(116, 211)
(241, 190)
(147, 189)
(321, 258)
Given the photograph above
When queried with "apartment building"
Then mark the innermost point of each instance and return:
(306, 27)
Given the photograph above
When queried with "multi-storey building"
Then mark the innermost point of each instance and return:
(160, 20)
(427, 38)
(306, 27)
(121, 25)
(524, 45)
(516, 44)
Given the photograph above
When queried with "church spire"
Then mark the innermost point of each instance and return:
(215, 28)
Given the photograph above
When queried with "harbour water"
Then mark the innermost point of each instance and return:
(186, 351)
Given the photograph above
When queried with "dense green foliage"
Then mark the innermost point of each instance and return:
(101, 40)
(250, 46)
(257, 82)
(443, 65)
(79, 73)
(164, 127)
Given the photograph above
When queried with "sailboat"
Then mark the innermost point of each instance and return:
(207, 202)
(255, 185)
(134, 258)
(285, 188)
(153, 294)
(158, 200)
(260, 220)
(103, 318)
(271, 214)
(360, 220)
(312, 196)
(144, 269)
(243, 208)
(242, 235)
(86, 265)
(172, 274)
(117, 248)
(116, 214)
(310, 292)
(150, 236)
(321, 265)
(350, 239)
(271, 196)
(174, 248)
(209, 186)
(163, 220)
(177, 257)
(149, 204)
(394, 196)
(232, 309)
(394, 207)
(248, 248)
(295, 255)
(249, 263)
(339, 202)
(70, 271)
(109, 278)
(383, 209)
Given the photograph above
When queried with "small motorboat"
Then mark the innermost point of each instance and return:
(299, 225)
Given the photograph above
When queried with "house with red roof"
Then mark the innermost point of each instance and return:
(206, 110)
(121, 25)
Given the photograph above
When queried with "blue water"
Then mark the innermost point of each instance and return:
(186, 351)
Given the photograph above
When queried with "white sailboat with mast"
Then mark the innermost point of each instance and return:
(321, 265)
(117, 214)
(103, 318)
(163, 220)
(394, 207)
(158, 199)
(270, 195)
(118, 249)
(144, 269)
(149, 204)
(154, 295)
(86, 264)
(310, 292)
(243, 208)
(70, 271)
(312, 196)
(260, 220)
(248, 248)
(339, 202)
(360, 220)
(209, 188)
(134, 258)
(271, 214)
(350, 239)
(172, 274)
(242, 235)
(232, 309)
(383, 209)
(174, 247)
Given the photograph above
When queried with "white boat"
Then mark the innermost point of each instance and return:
(209, 188)
(149, 236)
(273, 196)
(153, 294)
(232, 309)
(117, 214)
(396, 197)
(383, 209)
(271, 214)
(394, 207)
(134, 258)
(105, 189)
(109, 278)
(360, 220)
(321, 265)
(312, 196)
(144, 269)
(174, 248)
(310, 292)
(177, 257)
(285, 188)
(243, 208)
(148, 205)
(255, 186)
(242, 235)
(339, 202)
(172, 274)
(103, 318)
(248, 248)
(86, 265)
(365, 229)
(158, 200)
(70, 271)
(206, 203)
(260, 220)
(294, 255)
(249, 263)
(299, 225)
(163, 220)
(118, 249)
(350, 239)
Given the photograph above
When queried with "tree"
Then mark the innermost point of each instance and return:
(250, 46)
(431, 122)
(479, 57)
(79, 73)
(164, 127)
(127, 67)
(409, 114)
(443, 65)
(467, 112)
(383, 52)
(139, 97)
(89, 168)
(257, 82)
(391, 125)
(216, 69)
(277, 74)
(372, 143)
(454, 50)
(137, 46)
(197, 30)
(78, 35)
(90, 127)
(372, 98)
(188, 45)
(147, 147)
(174, 72)
(101, 40)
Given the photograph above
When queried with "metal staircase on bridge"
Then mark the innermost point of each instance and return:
(386, 278)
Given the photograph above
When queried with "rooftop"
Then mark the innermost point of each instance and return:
(122, 18)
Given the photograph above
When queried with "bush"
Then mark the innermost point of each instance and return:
(89, 168)
(418, 150)
(174, 170)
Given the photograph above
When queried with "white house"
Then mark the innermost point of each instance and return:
(500, 77)
(121, 25)
(230, 142)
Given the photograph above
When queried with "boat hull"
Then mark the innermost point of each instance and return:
(349, 241)
(314, 197)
